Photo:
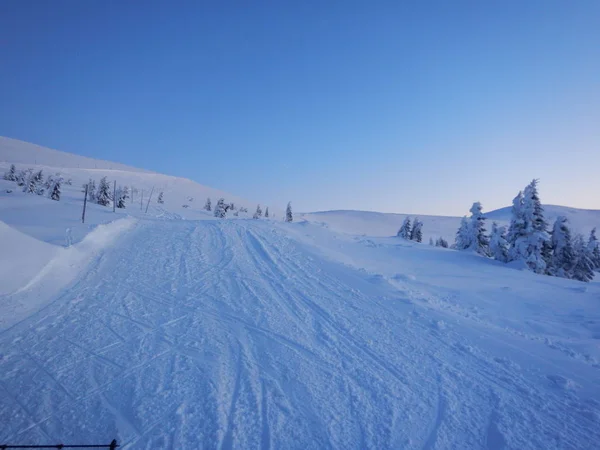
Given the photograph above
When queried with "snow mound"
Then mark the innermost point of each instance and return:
(37, 270)
(22, 258)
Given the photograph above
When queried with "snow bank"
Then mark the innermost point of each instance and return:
(35, 271)
(21, 258)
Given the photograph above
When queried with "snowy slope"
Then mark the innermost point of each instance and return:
(253, 334)
(383, 224)
(20, 152)
(48, 221)
(175, 330)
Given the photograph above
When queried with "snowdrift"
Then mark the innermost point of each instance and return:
(22, 258)
(34, 271)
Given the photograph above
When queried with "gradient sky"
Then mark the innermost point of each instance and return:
(416, 107)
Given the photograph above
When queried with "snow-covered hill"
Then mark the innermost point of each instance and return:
(323, 333)
(386, 224)
(20, 152)
(177, 191)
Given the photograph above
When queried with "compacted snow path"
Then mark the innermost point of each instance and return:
(230, 334)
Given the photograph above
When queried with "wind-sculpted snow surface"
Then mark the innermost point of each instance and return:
(234, 334)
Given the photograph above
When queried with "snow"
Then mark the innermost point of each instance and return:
(22, 258)
(329, 332)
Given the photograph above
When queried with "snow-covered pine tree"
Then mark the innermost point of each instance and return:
(288, 213)
(11, 175)
(416, 234)
(584, 267)
(39, 182)
(103, 196)
(594, 249)
(23, 177)
(516, 229)
(406, 229)
(232, 206)
(431, 241)
(267, 212)
(441, 242)
(122, 195)
(208, 205)
(258, 213)
(91, 190)
(220, 210)
(49, 182)
(479, 242)
(55, 190)
(160, 198)
(535, 240)
(30, 185)
(563, 256)
(498, 243)
(463, 235)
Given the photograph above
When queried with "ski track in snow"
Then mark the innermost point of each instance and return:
(230, 334)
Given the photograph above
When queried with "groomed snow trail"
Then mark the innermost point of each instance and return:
(230, 334)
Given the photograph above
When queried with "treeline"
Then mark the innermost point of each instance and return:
(529, 239)
(34, 182)
(103, 194)
(222, 208)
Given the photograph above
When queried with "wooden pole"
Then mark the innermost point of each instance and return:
(84, 204)
(149, 198)
(115, 196)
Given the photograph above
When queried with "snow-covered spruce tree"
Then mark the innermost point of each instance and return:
(267, 212)
(220, 210)
(30, 185)
(55, 190)
(463, 235)
(103, 196)
(258, 213)
(431, 241)
(91, 187)
(534, 243)
(479, 242)
(161, 199)
(416, 234)
(208, 205)
(122, 195)
(39, 182)
(406, 229)
(288, 213)
(594, 249)
(563, 256)
(49, 182)
(11, 175)
(498, 243)
(23, 177)
(232, 206)
(441, 242)
(584, 267)
(516, 229)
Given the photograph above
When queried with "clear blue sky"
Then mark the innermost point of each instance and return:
(418, 107)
